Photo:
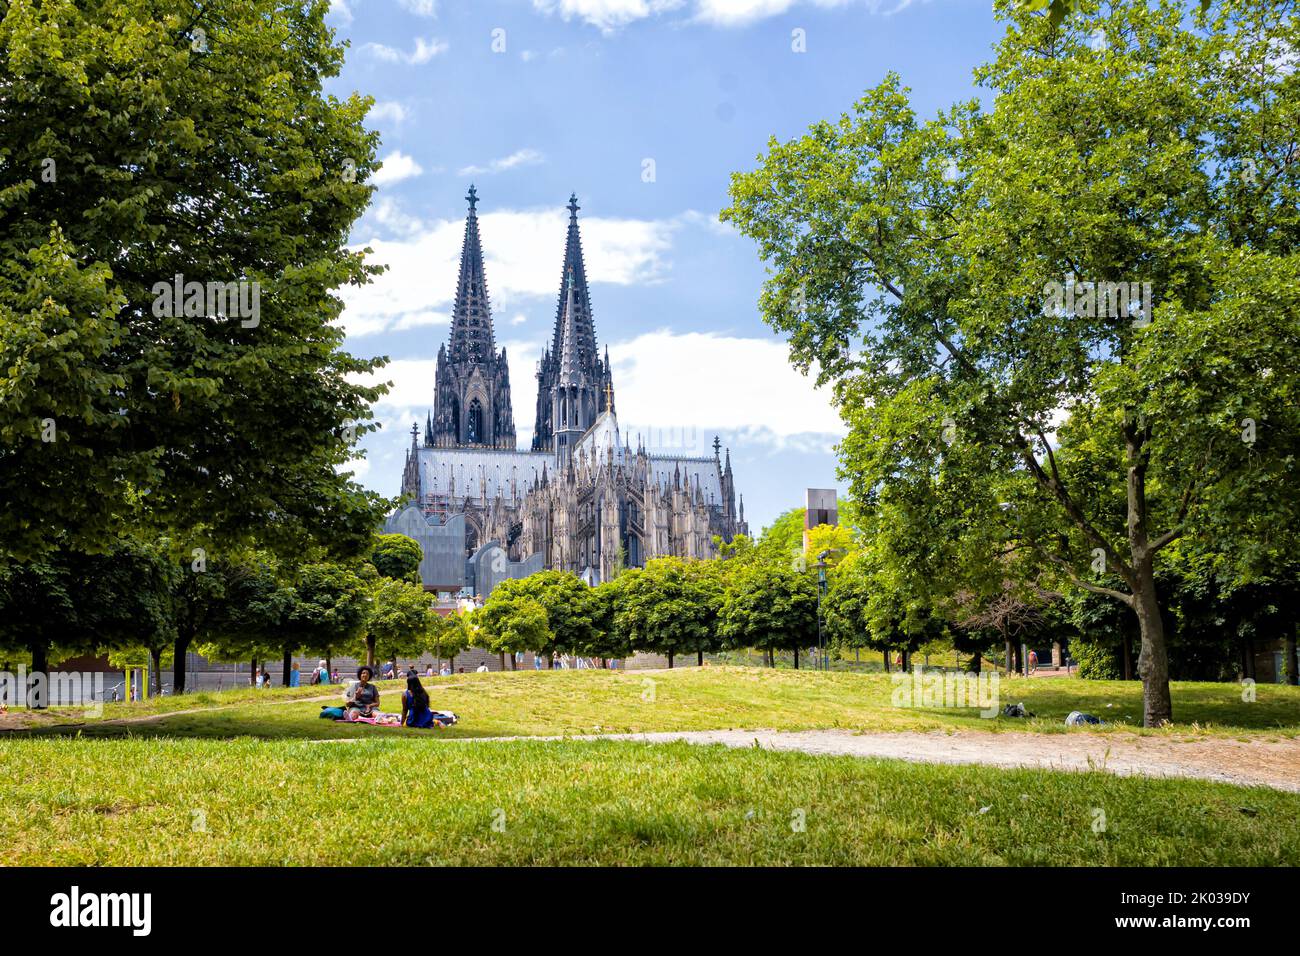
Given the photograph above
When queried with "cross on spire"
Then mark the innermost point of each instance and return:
(472, 198)
(573, 206)
(717, 446)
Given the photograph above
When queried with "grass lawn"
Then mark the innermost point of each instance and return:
(392, 802)
(527, 703)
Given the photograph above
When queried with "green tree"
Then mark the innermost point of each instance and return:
(919, 264)
(572, 609)
(516, 623)
(449, 636)
(398, 557)
(771, 607)
(670, 607)
(398, 620)
(329, 609)
(140, 144)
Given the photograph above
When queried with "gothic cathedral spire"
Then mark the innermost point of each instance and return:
(472, 382)
(573, 355)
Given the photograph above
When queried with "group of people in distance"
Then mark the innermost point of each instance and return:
(363, 699)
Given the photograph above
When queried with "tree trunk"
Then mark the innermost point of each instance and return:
(329, 667)
(771, 658)
(796, 657)
(1153, 658)
(1248, 658)
(1289, 659)
(179, 649)
(699, 658)
(885, 655)
(907, 660)
(37, 699)
(288, 666)
(514, 662)
(253, 681)
(670, 660)
(1009, 660)
(976, 662)
(1056, 654)
(1127, 641)
(502, 657)
(370, 654)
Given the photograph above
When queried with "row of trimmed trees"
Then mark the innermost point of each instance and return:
(672, 607)
(141, 602)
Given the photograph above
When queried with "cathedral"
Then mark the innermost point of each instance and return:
(581, 498)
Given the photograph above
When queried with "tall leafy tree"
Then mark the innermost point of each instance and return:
(141, 142)
(918, 264)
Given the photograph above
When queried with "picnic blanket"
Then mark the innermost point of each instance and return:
(441, 718)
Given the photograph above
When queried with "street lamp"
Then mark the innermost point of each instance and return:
(821, 566)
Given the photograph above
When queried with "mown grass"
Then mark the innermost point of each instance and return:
(414, 802)
(528, 703)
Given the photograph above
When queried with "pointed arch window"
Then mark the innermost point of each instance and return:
(474, 423)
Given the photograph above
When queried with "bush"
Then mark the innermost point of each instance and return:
(1096, 660)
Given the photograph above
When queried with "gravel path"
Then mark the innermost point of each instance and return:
(1256, 763)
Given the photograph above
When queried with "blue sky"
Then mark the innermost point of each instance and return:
(534, 99)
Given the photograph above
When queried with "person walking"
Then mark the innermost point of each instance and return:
(295, 677)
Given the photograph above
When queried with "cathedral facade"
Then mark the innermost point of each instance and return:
(581, 498)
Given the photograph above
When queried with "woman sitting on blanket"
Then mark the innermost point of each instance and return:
(364, 701)
(415, 704)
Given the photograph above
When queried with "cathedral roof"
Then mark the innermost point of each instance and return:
(601, 436)
(470, 466)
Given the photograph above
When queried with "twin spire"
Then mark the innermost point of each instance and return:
(476, 411)
(471, 324)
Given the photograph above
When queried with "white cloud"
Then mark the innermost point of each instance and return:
(421, 8)
(396, 167)
(340, 12)
(523, 251)
(732, 383)
(608, 15)
(389, 110)
(425, 50)
(520, 157)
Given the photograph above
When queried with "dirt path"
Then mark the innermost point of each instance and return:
(1257, 763)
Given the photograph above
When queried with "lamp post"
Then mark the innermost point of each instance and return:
(821, 566)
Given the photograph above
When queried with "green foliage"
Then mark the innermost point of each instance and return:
(910, 260)
(670, 607)
(137, 144)
(1097, 659)
(398, 557)
(329, 607)
(399, 620)
(515, 624)
(449, 636)
(771, 607)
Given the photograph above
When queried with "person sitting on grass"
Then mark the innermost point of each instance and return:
(364, 701)
(415, 704)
